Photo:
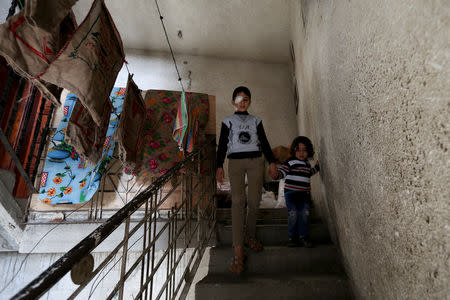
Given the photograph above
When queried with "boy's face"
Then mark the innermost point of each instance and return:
(300, 152)
(244, 104)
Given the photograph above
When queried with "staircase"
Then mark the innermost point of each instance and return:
(278, 272)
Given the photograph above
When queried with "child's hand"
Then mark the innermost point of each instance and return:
(273, 171)
(317, 162)
(219, 175)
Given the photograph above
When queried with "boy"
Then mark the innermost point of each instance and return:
(243, 140)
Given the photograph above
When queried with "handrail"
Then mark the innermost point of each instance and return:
(62, 266)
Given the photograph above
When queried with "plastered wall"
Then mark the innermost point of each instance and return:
(373, 81)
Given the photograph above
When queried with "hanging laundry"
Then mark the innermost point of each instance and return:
(191, 133)
(84, 134)
(131, 127)
(29, 48)
(67, 178)
(160, 151)
(89, 63)
(47, 14)
(181, 121)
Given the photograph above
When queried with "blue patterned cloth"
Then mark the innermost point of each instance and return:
(67, 178)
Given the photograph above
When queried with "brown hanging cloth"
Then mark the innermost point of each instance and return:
(28, 48)
(130, 132)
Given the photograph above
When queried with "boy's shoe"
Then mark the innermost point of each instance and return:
(305, 242)
(293, 242)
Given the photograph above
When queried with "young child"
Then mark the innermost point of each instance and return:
(243, 140)
(297, 190)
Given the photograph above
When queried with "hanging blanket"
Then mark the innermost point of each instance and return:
(129, 134)
(89, 63)
(67, 177)
(160, 151)
(29, 48)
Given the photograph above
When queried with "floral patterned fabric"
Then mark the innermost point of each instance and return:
(67, 178)
(160, 151)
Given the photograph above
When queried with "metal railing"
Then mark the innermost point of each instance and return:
(160, 250)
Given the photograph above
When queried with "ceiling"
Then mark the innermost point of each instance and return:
(238, 29)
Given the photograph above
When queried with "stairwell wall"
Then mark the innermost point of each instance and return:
(373, 84)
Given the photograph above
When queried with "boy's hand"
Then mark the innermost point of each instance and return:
(219, 175)
(273, 171)
(317, 162)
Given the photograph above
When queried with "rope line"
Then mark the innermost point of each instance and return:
(12, 9)
(170, 46)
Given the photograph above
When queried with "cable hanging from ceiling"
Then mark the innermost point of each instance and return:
(161, 18)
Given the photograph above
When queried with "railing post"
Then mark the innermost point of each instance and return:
(149, 242)
(124, 258)
(144, 246)
(199, 231)
(175, 230)
(153, 248)
(169, 245)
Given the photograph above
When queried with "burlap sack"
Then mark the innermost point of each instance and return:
(47, 14)
(129, 134)
(28, 49)
(83, 133)
(89, 63)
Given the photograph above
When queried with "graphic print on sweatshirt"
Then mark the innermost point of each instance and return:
(243, 133)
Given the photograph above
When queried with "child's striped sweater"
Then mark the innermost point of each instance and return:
(297, 173)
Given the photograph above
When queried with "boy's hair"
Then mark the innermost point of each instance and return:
(242, 89)
(305, 141)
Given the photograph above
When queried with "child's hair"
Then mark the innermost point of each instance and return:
(305, 141)
(242, 89)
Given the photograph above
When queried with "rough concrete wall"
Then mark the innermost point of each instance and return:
(373, 81)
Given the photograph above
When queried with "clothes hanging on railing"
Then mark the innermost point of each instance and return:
(46, 14)
(160, 151)
(84, 134)
(89, 63)
(67, 177)
(181, 121)
(129, 134)
(186, 125)
(29, 48)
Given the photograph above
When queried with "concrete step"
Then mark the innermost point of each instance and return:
(274, 234)
(264, 216)
(322, 259)
(272, 286)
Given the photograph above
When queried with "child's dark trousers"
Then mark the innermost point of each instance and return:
(298, 204)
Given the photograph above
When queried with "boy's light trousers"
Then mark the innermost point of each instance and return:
(237, 168)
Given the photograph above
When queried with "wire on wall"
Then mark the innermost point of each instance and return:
(168, 42)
